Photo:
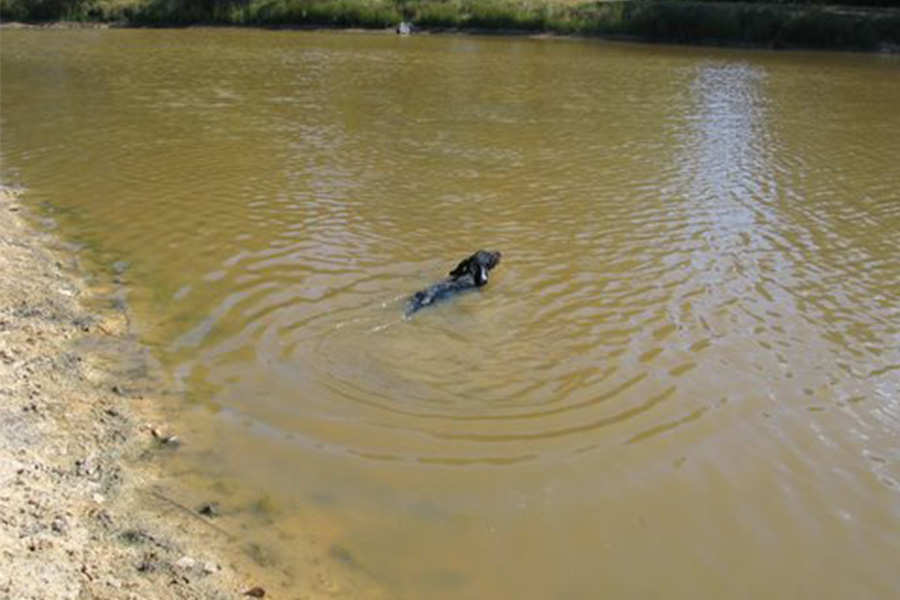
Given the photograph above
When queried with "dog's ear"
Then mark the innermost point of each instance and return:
(464, 267)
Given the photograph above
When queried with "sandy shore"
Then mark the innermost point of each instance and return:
(79, 517)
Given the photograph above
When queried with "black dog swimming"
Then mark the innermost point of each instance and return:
(469, 274)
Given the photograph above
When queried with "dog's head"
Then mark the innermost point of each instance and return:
(478, 266)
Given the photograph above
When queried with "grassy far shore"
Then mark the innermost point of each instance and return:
(847, 24)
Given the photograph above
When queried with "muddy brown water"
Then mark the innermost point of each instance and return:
(683, 381)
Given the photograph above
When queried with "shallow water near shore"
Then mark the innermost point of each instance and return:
(683, 380)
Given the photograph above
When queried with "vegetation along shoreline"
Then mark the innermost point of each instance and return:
(868, 25)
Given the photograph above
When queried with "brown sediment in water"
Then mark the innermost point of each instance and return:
(81, 514)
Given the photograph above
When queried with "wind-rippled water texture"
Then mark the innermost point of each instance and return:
(683, 380)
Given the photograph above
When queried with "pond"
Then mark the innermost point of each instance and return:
(682, 381)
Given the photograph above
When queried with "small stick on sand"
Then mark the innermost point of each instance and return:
(191, 512)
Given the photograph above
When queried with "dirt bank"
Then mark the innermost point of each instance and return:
(79, 514)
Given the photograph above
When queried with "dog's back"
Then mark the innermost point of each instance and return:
(437, 292)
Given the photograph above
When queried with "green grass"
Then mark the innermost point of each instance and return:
(820, 3)
(67, 10)
(773, 23)
(370, 14)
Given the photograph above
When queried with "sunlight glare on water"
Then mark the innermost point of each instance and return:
(683, 380)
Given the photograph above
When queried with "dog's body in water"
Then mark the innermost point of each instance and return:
(469, 274)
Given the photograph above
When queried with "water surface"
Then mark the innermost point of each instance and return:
(683, 381)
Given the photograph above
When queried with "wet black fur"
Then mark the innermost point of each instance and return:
(469, 274)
